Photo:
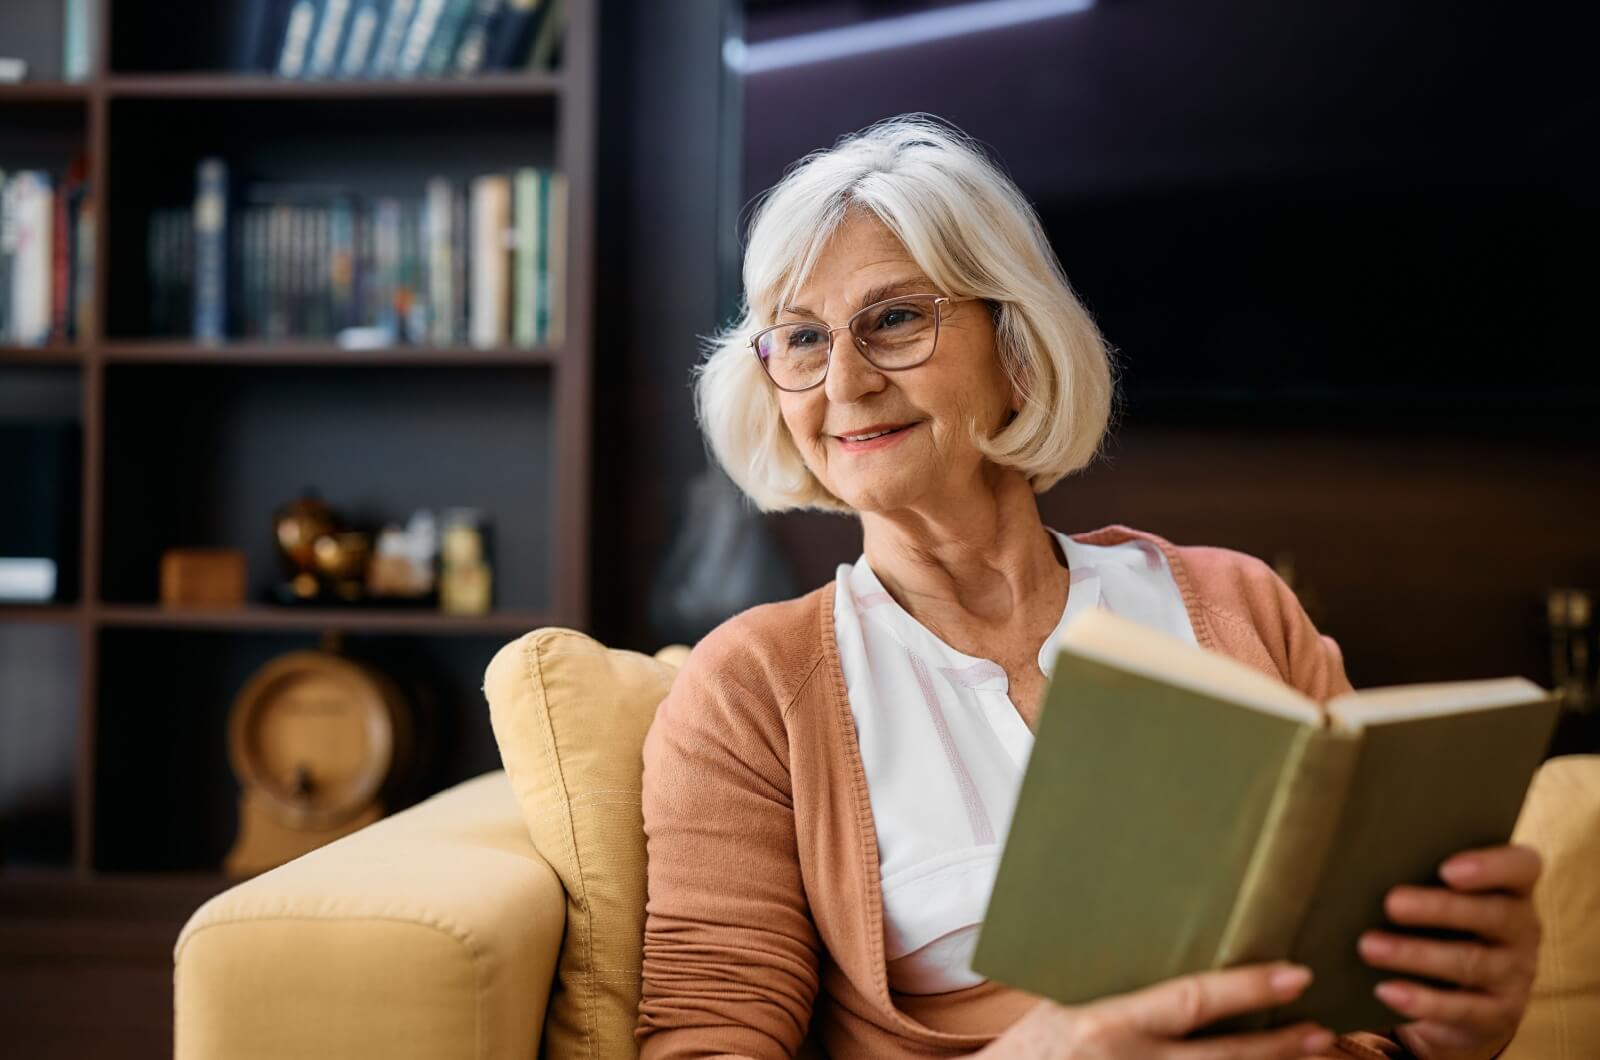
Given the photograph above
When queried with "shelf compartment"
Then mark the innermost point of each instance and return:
(202, 455)
(167, 799)
(40, 671)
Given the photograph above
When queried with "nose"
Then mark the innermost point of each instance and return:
(850, 375)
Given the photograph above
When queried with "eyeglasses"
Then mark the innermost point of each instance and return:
(893, 335)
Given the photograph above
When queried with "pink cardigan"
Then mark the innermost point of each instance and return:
(765, 912)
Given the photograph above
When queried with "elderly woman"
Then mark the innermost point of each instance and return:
(829, 783)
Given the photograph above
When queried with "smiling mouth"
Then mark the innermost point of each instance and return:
(870, 435)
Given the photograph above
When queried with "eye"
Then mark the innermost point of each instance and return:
(897, 316)
(803, 338)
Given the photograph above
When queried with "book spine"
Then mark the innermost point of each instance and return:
(386, 52)
(83, 272)
(512, 34)
(329, 35)
(364, 25)
(7, 248)
(30, 290)
(545, 52)
(442, 49)
(297, 33)
(75, 58)
(441, 274)
(211, 242)
(491, 208)
(461, 265)
(1292, 850)
(474, 47)
(418, 36)
(525, 215)
(556, 262)
(60, 264)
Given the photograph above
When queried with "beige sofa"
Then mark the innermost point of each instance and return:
(440, 931)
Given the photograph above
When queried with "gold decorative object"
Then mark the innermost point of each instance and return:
(296, 526)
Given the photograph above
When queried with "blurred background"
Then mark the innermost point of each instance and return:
(343, 342)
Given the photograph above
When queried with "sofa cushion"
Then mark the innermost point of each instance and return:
(1561, 820)
(570, 716)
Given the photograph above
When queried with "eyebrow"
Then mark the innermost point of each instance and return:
(877, 294)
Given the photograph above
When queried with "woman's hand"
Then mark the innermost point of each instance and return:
(1489, 894)
(1152, 1023)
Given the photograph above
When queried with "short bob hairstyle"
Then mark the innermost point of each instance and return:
(974, 234)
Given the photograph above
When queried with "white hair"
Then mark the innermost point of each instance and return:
(974, 234)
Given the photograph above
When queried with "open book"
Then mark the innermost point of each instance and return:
(1182, 811)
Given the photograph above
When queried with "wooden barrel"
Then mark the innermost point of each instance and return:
(317, 736)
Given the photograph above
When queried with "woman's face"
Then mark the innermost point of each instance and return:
(932, 406)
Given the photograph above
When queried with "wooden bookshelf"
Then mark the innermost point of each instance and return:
(186, 444)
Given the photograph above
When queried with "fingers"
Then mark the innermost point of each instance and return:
(1484, 1016)
(1504, 918)
(1179, 1006)
(1467, 963)
(1504, 868)
(1286, 1043)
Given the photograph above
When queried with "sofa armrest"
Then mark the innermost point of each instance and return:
(433, 932)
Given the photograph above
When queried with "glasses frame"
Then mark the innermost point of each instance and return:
(940, 301)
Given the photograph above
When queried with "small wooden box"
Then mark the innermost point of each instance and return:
(202, 577)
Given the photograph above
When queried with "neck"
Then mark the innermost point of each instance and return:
(979, 559)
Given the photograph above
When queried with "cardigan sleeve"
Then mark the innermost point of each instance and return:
(731, 954)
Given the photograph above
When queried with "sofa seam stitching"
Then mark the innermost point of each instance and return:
(569, 841)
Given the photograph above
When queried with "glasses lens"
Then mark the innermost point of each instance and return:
(796, 355)
(897, 334)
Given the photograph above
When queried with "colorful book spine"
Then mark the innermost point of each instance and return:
(83, 309)
(211, 243)
(529, 220)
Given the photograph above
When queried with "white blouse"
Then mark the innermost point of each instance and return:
(944, 749)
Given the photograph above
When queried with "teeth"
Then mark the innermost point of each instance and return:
(866, 437)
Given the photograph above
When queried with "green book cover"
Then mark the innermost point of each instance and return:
(1182, 811)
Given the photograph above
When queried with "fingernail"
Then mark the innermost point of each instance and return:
(1317, 1041)
(1459, 871)
(1377, 945)
(1393, 993)
(1290, 979)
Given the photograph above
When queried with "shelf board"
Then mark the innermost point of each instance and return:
(263, 618)
(180, 351)
(19, 612)
(261, 86)
(43, 92)
(48, 354)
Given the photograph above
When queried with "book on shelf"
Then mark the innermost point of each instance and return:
(460, 263)
(377, 39)
(1182, 811)
(491, 260)
(46, 255)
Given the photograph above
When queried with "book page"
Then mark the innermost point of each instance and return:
(1356, 710)
(1099, 634)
